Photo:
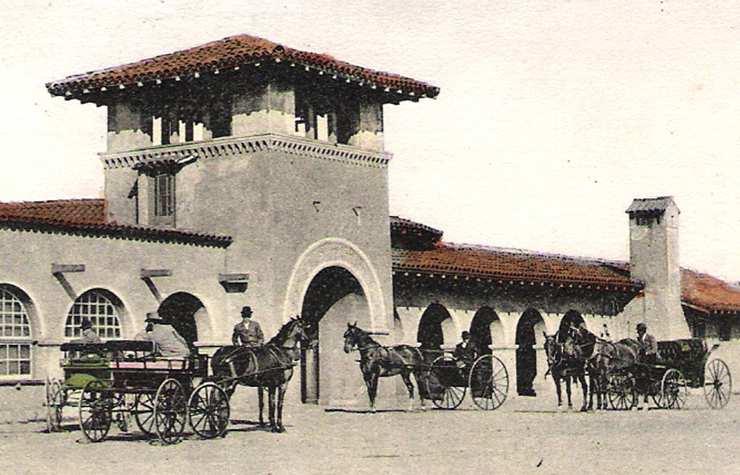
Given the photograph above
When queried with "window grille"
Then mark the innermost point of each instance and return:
(15, 336)
(101, 312)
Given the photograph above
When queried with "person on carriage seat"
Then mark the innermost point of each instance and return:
(169, 343)
(88, 334)
(247, 332)
(464, 351)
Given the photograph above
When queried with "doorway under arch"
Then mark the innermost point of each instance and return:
(334, 298)
(571, 319)
(430, 334)
(530, 324)
(182, 310)
(484, 326)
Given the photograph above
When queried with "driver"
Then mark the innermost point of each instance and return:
(170, 344)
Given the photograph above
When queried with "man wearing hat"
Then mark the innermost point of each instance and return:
(464, 351)
(247, 332)
(88, 334)
(648, 345)
(169, 343)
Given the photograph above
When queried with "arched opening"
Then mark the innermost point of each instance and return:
(16, 333)
(182, 310)
(571, 319)
(485, 330)
(333, 298)
(431, 335)
(102, 307)
(530, 325)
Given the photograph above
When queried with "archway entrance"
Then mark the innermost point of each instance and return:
(430, 334)
(333, 299)
(526, 356)
(571, 319)
(484, 326)
(182, 310)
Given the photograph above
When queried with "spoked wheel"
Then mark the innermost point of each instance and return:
(208, 410)
(621, 391)
(489, 382)
(96, 411)
(673, 388)
(444, 385)
(717, 384)
(170, 411)
(144, 412)
(55, 399)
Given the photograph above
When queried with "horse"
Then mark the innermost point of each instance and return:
(378, 361)
(566, 362)
(268, 366)
(602, 358)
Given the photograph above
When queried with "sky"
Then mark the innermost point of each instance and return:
(552, 115)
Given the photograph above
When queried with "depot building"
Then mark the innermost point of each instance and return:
(243, 172)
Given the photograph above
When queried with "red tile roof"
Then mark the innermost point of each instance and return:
(87, 218)
(510, 265)
(230, 53)
(91, 211)
(709, 293)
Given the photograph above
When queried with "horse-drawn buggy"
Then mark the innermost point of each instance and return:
(122, 380)
(440, 375)
(681, 364)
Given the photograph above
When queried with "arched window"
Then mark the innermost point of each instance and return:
(97, 306)
(15, 336)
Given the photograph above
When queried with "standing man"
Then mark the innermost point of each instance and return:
(648, 345)
(247, 332)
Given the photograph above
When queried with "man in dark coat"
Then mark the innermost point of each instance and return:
(247, 332)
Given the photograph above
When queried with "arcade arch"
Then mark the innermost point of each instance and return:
(435, 327)
(529, 334)
(185, 312)
(486, 330)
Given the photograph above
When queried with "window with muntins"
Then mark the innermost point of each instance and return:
(15, 336)
(97, 308)
(164, 195)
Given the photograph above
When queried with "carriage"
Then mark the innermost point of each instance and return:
(117, 381)
(682, 364)
(448, 378)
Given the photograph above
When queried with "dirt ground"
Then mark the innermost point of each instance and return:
(524, 436)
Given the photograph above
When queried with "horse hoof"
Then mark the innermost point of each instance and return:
(278, 430)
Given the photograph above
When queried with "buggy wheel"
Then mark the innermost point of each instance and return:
(55, 399)
(621, 391)
(444, 385)
(170, 411)
(144, 413)
(673, 388)
(489, 382)
(208, 410)
(717, 384)
(96, 411)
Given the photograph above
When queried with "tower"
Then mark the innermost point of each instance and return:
(654, 260)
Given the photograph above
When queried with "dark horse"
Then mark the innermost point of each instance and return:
(269, 366)
(381, 361)
(566, 361)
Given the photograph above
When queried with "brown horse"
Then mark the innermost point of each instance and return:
(603, 358)
(566, 362)
(269, 366)
(377, 361)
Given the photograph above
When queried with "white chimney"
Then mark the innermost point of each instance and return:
(654, 261)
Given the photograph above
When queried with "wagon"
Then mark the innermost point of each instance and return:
(447, 379)
(682, 364)
(117, 381)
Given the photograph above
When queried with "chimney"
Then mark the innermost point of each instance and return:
(654, 261)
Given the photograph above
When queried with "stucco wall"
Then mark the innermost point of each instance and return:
(114, 265)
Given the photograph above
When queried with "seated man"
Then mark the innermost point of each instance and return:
(169, 343)
(88, 334)
(464, 351)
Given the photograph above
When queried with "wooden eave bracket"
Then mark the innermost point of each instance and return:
(234, 283)
(149, 273)
(67, 268)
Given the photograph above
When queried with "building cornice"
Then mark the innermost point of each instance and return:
(229, 146)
